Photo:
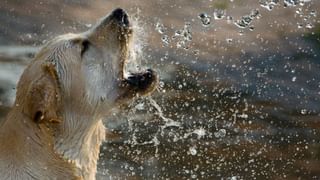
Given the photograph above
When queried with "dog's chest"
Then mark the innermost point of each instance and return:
(82, 150)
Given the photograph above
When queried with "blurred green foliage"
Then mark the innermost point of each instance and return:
(221, 4)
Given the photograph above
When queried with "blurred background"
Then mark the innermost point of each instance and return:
(239, 95)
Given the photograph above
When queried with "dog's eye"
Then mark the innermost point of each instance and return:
(85, 46)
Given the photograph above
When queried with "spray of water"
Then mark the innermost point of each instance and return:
(168, 122)
(138, 43)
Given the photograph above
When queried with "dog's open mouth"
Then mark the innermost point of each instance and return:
(118, 22)
(141, 83)
(135, 83)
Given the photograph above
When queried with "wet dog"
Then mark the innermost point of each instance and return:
(54, 130)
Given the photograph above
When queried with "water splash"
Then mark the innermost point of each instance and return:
(183, 36)
(246, 20)
(160, 131)
(136, 53)
(168, 122)
(205, 19)
(201, 132)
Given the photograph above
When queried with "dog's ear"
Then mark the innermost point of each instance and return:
(44, 96)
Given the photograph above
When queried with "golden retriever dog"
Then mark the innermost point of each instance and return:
(55, 128)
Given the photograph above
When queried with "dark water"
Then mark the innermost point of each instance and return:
(264, 125)
(232, 105)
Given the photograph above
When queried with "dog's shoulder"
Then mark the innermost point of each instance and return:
(28, 154)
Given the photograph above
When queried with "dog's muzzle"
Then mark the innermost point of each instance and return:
(141, 81)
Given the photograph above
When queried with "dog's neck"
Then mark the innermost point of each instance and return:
(26, 151)
(79, 141)
(75, 145)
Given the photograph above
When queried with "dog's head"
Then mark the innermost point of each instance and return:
(84, 72)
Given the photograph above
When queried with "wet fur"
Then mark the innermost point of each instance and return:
(55, 129)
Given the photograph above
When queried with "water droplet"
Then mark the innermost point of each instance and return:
(303, 111)
(229, 19)
(88, 25)
(165, 39)
(299, 11)
(313, 13)
(266, 4)
(160, 28)
(186, 104)
(196, 52)
(274, 2)
(140, 106)
(309, 26)
(161, 84)
(180, 44)
(229, 40)
(177, 33)
(187, 32)
(29, 35)
(244, 116)
(205, 19)
(183, 36)
(294, 79)
(193, 150)
(241, 32)
(233, 178)
(255, 14)
(221, 133)
(269, 4)
(288, 3)
(219, 14)
(244, 22)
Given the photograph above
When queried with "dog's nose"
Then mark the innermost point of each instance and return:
(121, 16)
(142, 80)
